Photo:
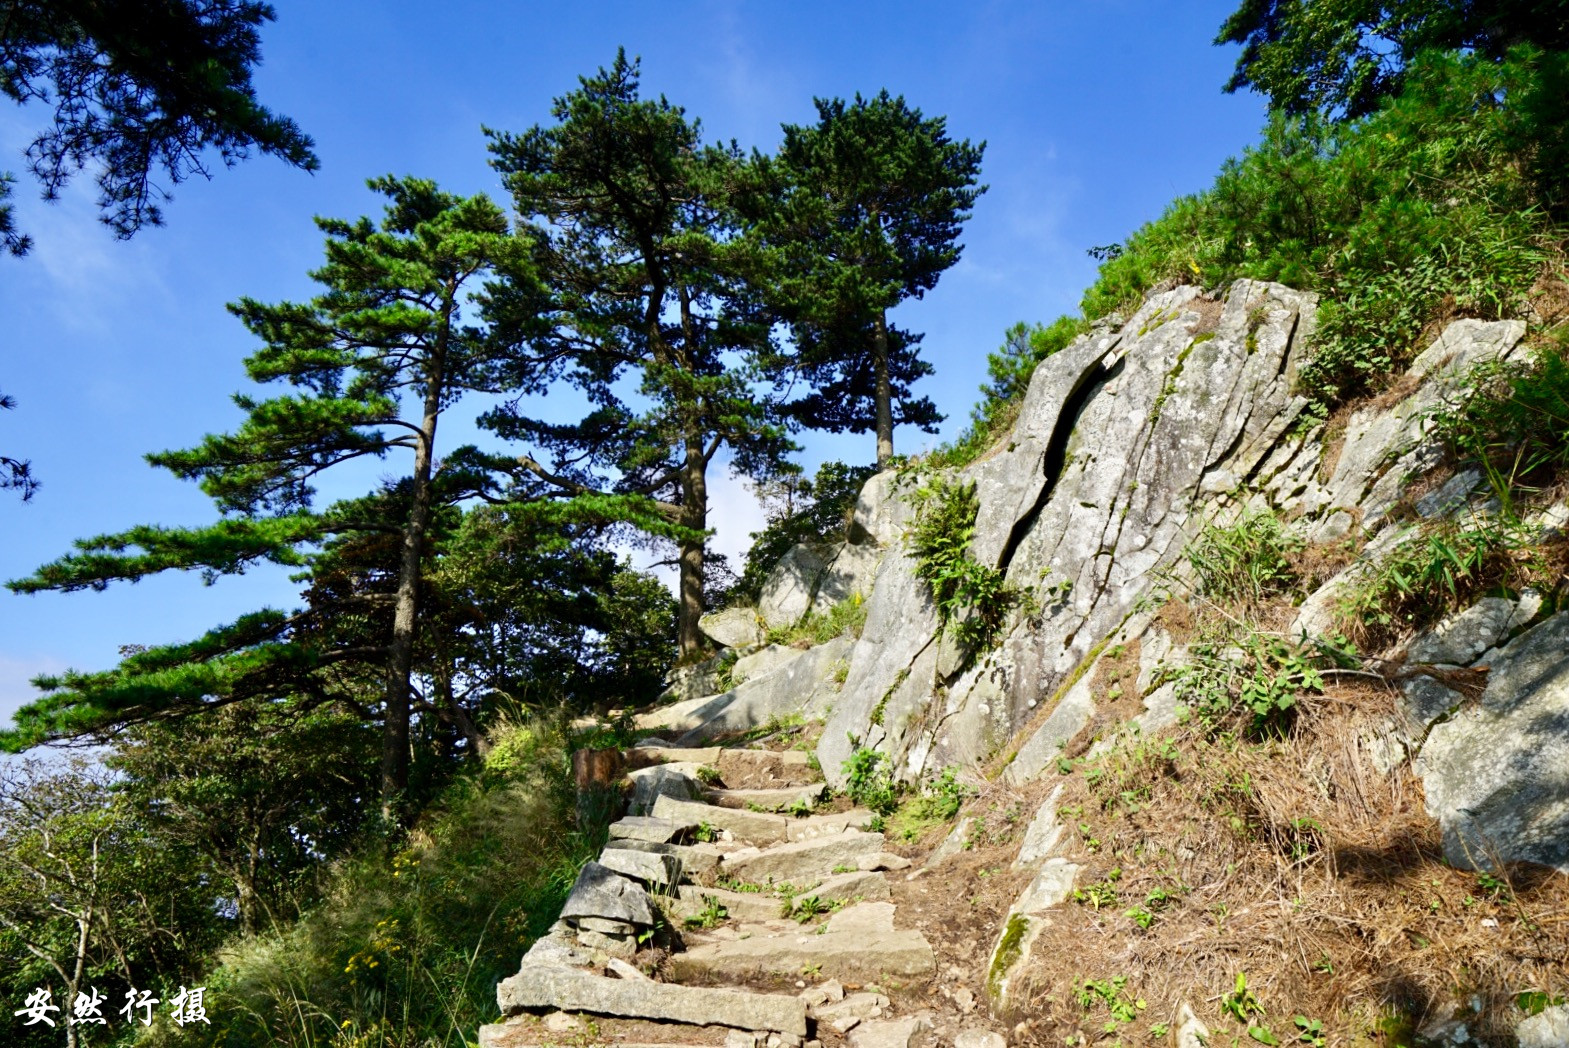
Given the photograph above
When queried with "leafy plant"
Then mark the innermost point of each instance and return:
(1101, 893)
(869, 782)
(711, 915)
(1111, 993)
(1240, 673)
(1241, 1003)
(972, 599)
(1247, 561)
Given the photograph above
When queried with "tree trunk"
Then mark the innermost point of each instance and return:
(694, 515)
(400, 655)
(884, 394)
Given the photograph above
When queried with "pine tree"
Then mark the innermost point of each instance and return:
(873, 197)
(374, 361)
(654, 313)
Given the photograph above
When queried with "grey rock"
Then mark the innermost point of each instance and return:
(882, 861)
(622, 970)
(599, 924)
(575, 991)
(601, 892)
(647, 828)
(957, 841)
(676, 781)
(1011, 955)
(756, 827)
(964, 999)
(800, 686)
(803, 862)
(697, 860)
(814, 826)
(973, 1038)
(732, 627)
(741, 906)
(861, 884)
(848, 575)
(656, 871)
(681, 717)
(762, 662)
(849, 1011)
(895, 1033)
(1191, 1033)
(1422, 701)
(1051, 887)
(780, 799)
(558, 949)
(745, 1039)
(1449, 496)
(1041, 836)
(1547, 1029)
(860, 943)
(1161, 710)
(1494, 771)
(788, 591)
(1459, 639)
(1073, 714)
(1021, 476)
(623, 946)
(561, 1022)
(882, 511)
(684, 683)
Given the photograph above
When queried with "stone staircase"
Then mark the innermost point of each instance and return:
(730, 907)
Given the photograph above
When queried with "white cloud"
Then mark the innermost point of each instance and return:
(733, 514)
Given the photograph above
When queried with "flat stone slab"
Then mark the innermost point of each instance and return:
(750, 907)
(756, 827)
(860, 944)
(829, 825)
(871, 887)
(677, 781)
(601, 892)
(697, 860)
(567, 989)
(652, 868)
(802, 862)
(648, 828)
(648, 756)
(770, 799)
(890, 1033)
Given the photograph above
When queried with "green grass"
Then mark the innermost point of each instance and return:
(847, 618)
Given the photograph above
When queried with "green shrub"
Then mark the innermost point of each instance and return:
(407, 949)
(972, 599)
(1246, 561)
(869, 781)
(1437, 571)
(846, 617)
(1513, 420)
(1235, 677)
(1419, 210)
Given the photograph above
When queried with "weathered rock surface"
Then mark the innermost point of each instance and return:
(601, 892)
(890, 1033)
(787, 593)
(1461, 638)
(848, 575)
(801, 685)
(803, 862)
(863, 885)
(647, 828)
(742, 906)
(762, 662)
(1547, 1029)
(676, 781)
(732, 627)
(754, 826)
(571, 990)
(1041, 836)
(814, 826)
(860, 943)
(1073, 714)
(1496, 773)
(777, 799)
(653, 869)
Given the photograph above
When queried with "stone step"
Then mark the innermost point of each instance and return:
(776, 799)
(860, 944)
(750, 907)
(650, 829)
(802, 862)
(697, 860)
(859, 886)
(571, 990)
(751, 826)
(647, 756)
(829, 825)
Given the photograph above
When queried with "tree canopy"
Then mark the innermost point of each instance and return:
(652, 292)
(872, 199)
(140, 87)
(1341, 57)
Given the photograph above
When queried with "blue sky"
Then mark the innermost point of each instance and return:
(1095, 113)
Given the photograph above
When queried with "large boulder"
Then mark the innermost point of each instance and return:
(1496, 772)
(787, 594)
(732, 627)
(881, 511)
(801, 686)
(849, 574)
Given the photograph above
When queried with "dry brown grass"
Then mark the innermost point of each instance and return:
(1296, 862)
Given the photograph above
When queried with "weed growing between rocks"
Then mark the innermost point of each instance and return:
(847, 618)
